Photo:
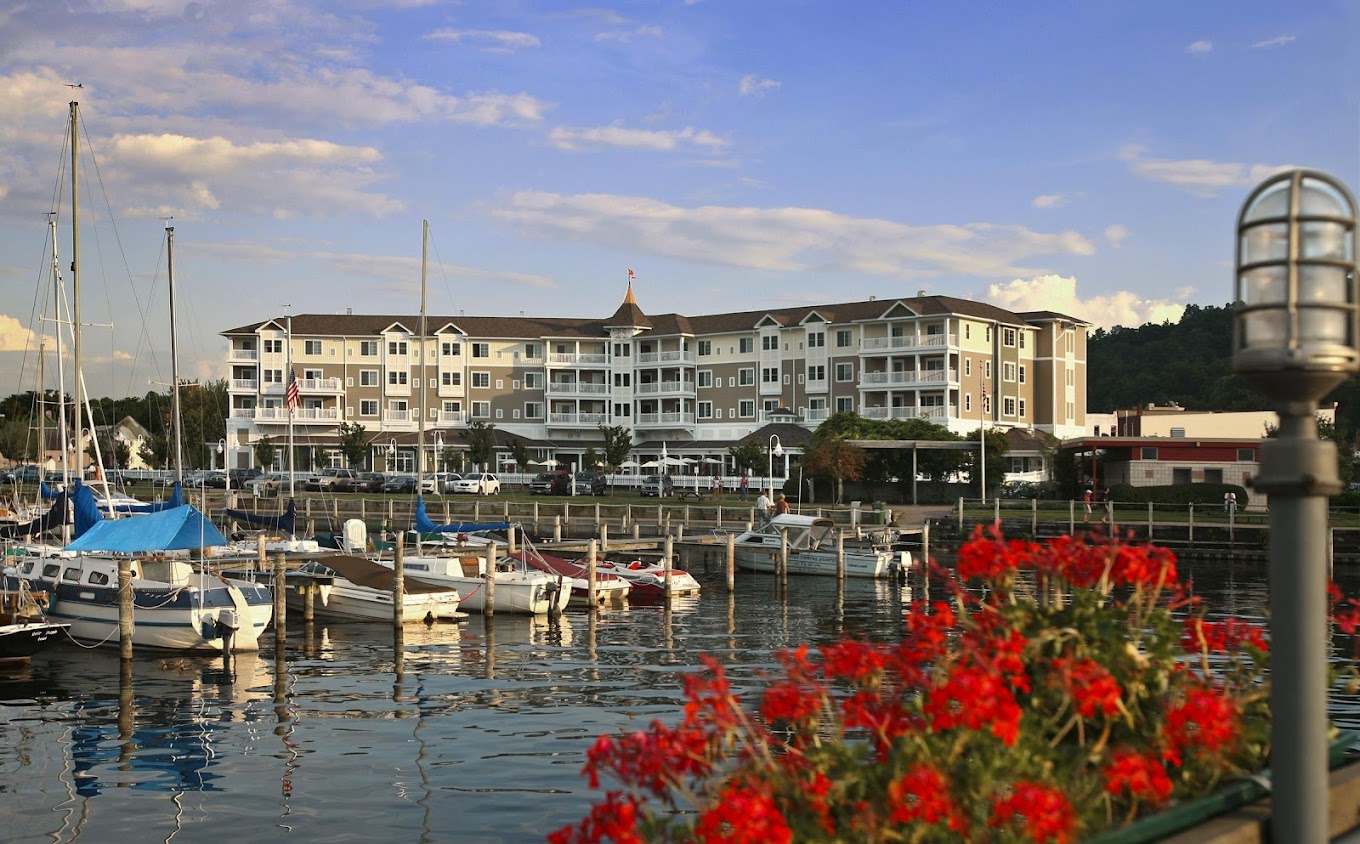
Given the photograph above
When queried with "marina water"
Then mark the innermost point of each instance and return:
(473, 732)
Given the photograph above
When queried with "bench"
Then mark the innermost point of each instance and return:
(684, 494)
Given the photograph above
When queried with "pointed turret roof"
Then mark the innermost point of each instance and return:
(629, 315)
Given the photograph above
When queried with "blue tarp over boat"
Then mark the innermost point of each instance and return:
(284, 523)
(179, 529)
(424, 525)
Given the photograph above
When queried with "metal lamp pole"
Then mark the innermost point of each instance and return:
(1296, 335)
(776, 450)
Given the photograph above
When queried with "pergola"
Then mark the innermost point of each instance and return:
(914, 445)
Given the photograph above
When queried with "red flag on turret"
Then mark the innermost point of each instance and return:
(631, 276)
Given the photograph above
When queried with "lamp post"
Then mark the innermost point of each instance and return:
(776, 450)
(392, 455)
(226, 470)
(1296, 330)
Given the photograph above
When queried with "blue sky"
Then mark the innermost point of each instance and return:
(1084, 157)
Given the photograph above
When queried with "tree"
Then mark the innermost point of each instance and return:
(836, 458)
(618, 443)
(265, 452)
(590, 458)
(15, 442)
(354, 445)
(751, 457)
(481, 439)
(520, 452)
(996, 468)
(155, 452)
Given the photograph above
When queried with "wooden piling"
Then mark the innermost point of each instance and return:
(399, 582)
(591, 552)
(731, 562)
(261, 559)
(280, 605)
(840, 554)
(604, 536)
(557, 528)
(125, 620)
(666, 566)
(490, 580)
(783, 557)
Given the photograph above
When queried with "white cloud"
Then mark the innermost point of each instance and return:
(577, 139)
(1277, 41)
(1116, 234)
(788, 239)
(495, 40)
(754, 86)
(1199, 175)
(623, 36)
(1200, 48)
(1059, 293)
(1049, 200)
(15, 336)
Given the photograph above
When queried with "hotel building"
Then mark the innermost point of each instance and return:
(693, 385)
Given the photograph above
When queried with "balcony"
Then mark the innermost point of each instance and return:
(665, 387)
(451, 417)
(908, 378)
(663, 420)
(301, 416)
(249, 385)
(676, 356)
(578, 420)
(905, 342)
(319, 385)
(573, 359)
(912, 412)
(243, 354)
(576, 388)
(817, 415)
(243, 413)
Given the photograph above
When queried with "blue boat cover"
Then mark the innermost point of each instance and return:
(169, 530)
(424, 525)
(176, 499)
(285, 523)
(87, 513)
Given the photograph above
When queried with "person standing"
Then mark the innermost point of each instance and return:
(763, 508)
(1086, 502)
(781, 507)
(745, 485)
(717, 486)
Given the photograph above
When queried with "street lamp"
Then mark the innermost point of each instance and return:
(1296, 327)
(226, 470)
(776, 450)
(392, 455)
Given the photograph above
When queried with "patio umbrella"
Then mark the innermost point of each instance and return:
(650, 464)
(629, 464)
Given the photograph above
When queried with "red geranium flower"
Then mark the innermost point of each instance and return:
(742, 816)
(1142, 776)
(1043, 812)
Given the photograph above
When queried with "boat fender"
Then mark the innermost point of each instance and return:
(635, 565)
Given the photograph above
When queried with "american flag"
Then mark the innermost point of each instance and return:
(631, 276)
(291, 398)
(984, 398)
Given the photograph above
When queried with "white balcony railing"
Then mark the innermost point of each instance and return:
(666, 387)
(319, 385)
(451, 417)
(660, 419)
(243, 413)
(675, 356)
(574, 388)
(574, 359)
(249, 384)
(911, 412)
(243, 354)
(908, 341)
(817, 414)
(399, 417)
(909, 378)
(581, 419)
(301, 415)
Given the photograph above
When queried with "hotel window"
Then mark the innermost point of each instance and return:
(1022, 377)
(770, 342)
(705, 348)
(622, 411)
(769, 375)
(967, 331)
(311, 347)
(845, 372)
(746, 408)
(844, 337)
(1008, 337)
(1022, 338)
(533, 410)
(967, 366)
(705, 378)
(623, 379)
(1008, 406)
(705, 410)
(989, 334)
(533, 380)
(481, 350)
(368, 378)
(451, 379)
(313, 374)
(1071, 410)
(1022, 408)
(1007, 372)
(845, 404)
(1246, 455)
(481, 410)
(1070, 375)
(368, 348)
(481, 379)
(531, 352)
(450, 349)
(273, 347)
(746, 377)
(396, 377)
(967, 402)
(987, 370)
(272, 376)
(453, 407)
(1147, 452)
(816, 373)
(816, 340)
(368, 408)
(747, 345)
(396, 347)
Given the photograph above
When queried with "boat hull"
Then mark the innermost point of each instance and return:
(21, 640)
(345, 601)
(872, 564)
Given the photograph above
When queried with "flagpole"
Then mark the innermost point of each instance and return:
(982, 443)
(288, 358)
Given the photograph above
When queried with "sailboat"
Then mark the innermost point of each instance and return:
(176, 605)
(464, 566)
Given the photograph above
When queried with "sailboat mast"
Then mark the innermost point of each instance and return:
(420, 427)
(75, 268)
(288, 379)
(61, 364)
(175, 421)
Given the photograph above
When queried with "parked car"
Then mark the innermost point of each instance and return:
(328, 480)
(365, 482)
(591, 483)
(550, 483)
(269, 484)
(438, 483)
(27, 473)
(241, 477)
(214, 480)
(658, 486)
(400, 484)
(483, 483)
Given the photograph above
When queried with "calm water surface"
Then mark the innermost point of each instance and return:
(477, 732)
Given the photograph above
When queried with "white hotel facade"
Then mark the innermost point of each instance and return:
(697, 384)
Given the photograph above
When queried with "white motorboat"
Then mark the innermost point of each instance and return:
(647, 581)
(812, 549)
(519, 588)
(352, 588)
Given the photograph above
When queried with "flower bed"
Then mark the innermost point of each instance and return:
(1062, 691)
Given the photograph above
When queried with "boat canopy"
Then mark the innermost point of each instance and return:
(179, 529)
(365, 572)
(176, 499)
(424, 525)
(284, 523)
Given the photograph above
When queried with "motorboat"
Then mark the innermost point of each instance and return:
(812, 549)
(610, 589)
(648, 581)
(24, 628)
(349, 588)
